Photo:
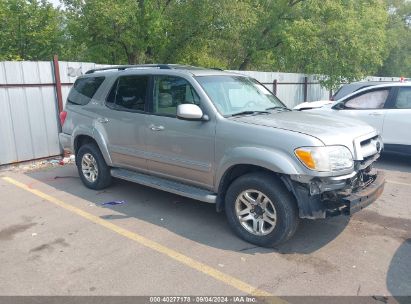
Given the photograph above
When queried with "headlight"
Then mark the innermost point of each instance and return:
(325, 159)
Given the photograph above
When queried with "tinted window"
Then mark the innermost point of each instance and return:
(369, 100)
(84, 89)
(112, 95)
(129, 92)
(403, 100)
(169, 92)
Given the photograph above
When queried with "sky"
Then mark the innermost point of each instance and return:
(55, 3)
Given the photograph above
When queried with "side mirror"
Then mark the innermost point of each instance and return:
(190, 111)
(338, 106)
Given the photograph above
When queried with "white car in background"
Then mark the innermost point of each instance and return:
(312, 105)
(343, 91)
(386, 107)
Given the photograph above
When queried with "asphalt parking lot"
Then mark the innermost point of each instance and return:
(59, 238)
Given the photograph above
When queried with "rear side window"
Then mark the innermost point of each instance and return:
(129, 93)
(403, 100)
(84, 89)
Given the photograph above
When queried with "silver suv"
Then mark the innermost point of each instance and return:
(220, 138)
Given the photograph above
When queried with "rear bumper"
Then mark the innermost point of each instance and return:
(65, 142)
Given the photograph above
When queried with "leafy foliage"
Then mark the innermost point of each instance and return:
(398, 61)
(29, 30)
(341, 39)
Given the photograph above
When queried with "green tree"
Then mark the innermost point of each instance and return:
(111, 30)
(146, 31)
(29, 30)
(398, 61)
(342, 39)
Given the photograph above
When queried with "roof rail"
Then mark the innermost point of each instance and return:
(135, 66)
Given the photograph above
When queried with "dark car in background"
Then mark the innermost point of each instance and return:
(349, 88)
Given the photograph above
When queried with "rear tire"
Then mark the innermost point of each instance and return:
(92, 168)
(261, 210)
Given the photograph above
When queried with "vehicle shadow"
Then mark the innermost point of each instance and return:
(399, 273)
(395, 162)
(188, 218)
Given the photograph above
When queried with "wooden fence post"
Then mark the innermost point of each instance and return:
(305, 89)
(275, 83)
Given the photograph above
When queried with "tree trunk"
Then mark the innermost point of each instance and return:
(132, 58)
(245, 64)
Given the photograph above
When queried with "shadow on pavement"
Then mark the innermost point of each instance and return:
(394, 162)
(399, 273)
(188, 218)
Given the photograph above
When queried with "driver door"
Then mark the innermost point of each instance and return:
(179, 149)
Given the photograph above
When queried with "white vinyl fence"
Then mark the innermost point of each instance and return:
(29, 123)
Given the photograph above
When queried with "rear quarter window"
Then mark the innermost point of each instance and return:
(84, 89)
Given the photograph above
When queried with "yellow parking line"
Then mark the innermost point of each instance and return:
(210, 271)
(398, 183)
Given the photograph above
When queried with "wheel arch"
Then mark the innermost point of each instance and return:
(235, 172)
(244, 160)
(82, 137)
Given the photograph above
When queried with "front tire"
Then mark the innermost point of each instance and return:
(261, 210)
(92, 168)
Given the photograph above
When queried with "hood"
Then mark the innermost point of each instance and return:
(313, 104)
(327, 127)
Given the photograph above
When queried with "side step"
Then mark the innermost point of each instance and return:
(165, 185)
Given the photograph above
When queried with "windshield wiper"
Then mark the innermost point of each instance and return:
(278, 108)
(250, 113)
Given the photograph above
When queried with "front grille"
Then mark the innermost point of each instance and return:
(369, 147)
(367, 150)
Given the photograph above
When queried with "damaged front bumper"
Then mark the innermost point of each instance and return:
(326, 197)
(361, 199)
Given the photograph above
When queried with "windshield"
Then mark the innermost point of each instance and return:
(237, 94)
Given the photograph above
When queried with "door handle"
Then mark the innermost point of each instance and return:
(103, 120)
(376, 114)
(156, 128)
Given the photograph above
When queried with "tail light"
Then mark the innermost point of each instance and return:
(63, 115)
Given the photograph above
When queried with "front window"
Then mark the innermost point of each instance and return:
(368, 101)
(237, 94)
(171, 91)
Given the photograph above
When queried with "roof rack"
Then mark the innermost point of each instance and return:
(135, 66)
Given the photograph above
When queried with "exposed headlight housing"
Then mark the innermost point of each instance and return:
(325, 159)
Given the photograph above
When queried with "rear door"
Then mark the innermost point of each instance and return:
(397, 125)
(368, 106)
(123, 119)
